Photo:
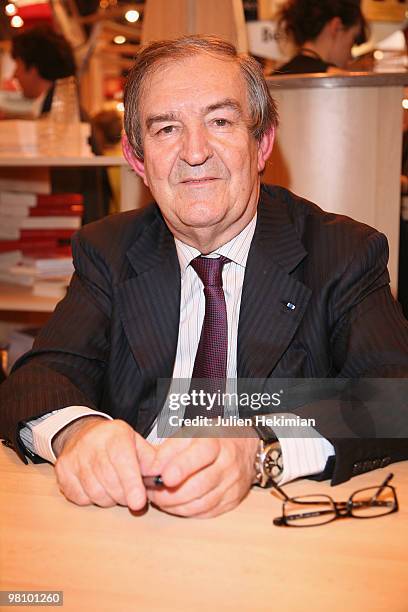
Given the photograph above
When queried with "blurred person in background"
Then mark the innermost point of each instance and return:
(108, 125)
(324, 32)
(42, 57)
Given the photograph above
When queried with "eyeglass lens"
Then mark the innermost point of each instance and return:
(309, 510)
(372, 502)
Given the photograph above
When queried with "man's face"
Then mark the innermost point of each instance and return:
(201, 162)
(28, 79)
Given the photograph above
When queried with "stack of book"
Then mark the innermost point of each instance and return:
(25, 138)
(35, 233)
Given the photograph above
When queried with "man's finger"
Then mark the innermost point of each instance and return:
(72, 489)
(106, 474)
(165, 453)
(127, 464)
(196, 487)
(95, 489)
(146, 455)
(200, 453)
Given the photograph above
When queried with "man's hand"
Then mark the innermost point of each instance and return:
(203, 477)
(101, 461)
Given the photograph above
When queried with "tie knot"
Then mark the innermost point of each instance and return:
(209, 269)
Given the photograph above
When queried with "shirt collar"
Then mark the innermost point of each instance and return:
(236, 249)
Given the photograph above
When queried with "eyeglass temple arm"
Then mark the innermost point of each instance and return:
(381, 488)
(280, 490)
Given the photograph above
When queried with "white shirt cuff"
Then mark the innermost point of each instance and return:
(45, 430)
(304, 451)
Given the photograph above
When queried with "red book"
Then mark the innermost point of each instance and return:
(47, 252)
(60, 199)
(75, 210)
(57, 234)
(15, 198)
(28, 245)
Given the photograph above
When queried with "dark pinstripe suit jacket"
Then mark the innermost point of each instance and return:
(116, 331)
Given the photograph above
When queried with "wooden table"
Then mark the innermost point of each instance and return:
(110, 560)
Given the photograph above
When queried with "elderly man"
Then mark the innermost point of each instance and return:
(289, 292)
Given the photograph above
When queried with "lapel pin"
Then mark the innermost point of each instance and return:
(291, 306)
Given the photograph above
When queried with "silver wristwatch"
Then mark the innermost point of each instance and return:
(268, 462)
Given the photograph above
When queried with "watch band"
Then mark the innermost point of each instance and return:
(265, 433)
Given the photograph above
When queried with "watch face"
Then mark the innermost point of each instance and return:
(273, 464)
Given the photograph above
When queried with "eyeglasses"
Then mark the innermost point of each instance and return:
(314, 510)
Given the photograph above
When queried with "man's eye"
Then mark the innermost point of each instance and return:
(167, 129)
(221, 122)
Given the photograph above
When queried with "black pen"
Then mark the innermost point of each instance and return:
(153, 482)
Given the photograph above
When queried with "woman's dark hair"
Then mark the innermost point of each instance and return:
(45, 49)
(303, 20)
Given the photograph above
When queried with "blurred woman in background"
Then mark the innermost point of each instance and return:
(324, 31)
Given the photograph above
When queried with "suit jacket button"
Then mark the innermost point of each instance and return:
(357, 468)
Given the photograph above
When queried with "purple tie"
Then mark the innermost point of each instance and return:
(211, 358)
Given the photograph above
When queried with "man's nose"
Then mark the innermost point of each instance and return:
(196, 148)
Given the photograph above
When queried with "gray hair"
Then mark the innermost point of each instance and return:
(263, 112)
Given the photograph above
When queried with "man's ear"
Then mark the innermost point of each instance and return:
(265, 148)
(334, 26)
(135, 162)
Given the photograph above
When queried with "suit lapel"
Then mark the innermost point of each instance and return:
(150, 302)
(273, 302)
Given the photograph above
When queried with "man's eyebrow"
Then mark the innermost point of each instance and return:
(170, 116)
(160, 119)
(226, 103)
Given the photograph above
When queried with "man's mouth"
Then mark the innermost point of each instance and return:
(199, 181)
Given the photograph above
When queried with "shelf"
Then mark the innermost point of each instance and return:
(96, 160)
(17, 298)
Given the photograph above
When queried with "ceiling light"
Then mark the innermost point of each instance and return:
(10, 9)
(16, 21)
(132, 16)
(119, 40)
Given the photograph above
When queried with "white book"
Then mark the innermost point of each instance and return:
(48, 222)
(10, 258)
(45, 264)
(18, 198)
(9, 233)
(10, 226)
(49, 288)
(56, 272)
(16, 279)
(14, 211)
